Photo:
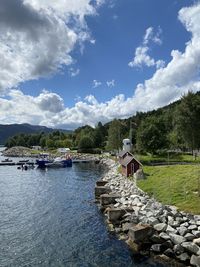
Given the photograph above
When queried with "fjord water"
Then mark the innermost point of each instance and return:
(49, 218)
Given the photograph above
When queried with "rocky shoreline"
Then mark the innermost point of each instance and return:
(147, 226)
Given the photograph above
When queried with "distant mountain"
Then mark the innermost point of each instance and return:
(10, 130)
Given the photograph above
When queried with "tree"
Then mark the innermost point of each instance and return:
(85, 143)
(114, 135)
(187, 119)
(151, 135)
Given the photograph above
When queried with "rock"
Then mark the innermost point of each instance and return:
(115, 214)
(191, 247)
(178, 249)
(189, 237)
(157, 239)
(101, 183)
(183, 257)
(170, 230)
(196, 241)
(100, 190)
(140, 232)
(160, 227)
(195, 260)
(107, 199)
(170, 253)
(182, 230)
(139, 175)
(164, 236)
(177, 239)
(196, 233)
(157, 248)
(127, 226)
(192, 227)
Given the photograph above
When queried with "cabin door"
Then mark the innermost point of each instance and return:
(132, 168)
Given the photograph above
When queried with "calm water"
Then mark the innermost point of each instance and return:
(48, 218)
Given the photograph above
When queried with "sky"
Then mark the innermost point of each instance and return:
(68, 63)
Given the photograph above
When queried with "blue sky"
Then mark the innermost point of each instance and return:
(69, 63)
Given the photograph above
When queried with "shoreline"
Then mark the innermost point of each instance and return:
(147, 226)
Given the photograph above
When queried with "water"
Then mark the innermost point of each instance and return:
(48, 218)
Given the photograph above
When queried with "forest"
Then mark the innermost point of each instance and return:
(173, 127)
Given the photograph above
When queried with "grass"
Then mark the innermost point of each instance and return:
(177, 185)
(164, 157)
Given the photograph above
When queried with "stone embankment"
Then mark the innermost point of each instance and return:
(147, 226)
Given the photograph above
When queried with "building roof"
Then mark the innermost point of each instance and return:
(128, 159)
(123, 153)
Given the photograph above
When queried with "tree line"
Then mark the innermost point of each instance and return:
(176, 126)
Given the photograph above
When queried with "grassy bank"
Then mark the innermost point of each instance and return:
(175, 185)
(165, 157)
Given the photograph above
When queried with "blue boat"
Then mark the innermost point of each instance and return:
(60, 162)
(56, 163)
(42, 162)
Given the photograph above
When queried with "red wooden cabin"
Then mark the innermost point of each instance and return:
(129, 165)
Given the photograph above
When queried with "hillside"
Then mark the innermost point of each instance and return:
(10, 130)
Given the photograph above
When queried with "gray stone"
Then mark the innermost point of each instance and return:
(152, 221)
(183, 257)
(101, 183)
(192, 227)
(189, 236)
(107, 199)
(115, 214)
(182, 230)
(157, 248)
(170, 230)
(157, 239)
(177, 239)
(127, 226)
(100, 190)
(140, 232)
(164, 236)
(160, 227)
(197, 241)
(195, 260)
(170, 253)
(178, 249)
(196, 233)
(191, 247)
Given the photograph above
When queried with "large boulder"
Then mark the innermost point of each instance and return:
(140, 233)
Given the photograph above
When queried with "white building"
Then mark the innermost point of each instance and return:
(63, 150)
(127, 145)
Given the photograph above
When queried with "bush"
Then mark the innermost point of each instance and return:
(89, 150)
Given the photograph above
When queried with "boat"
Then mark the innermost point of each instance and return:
(60, 162)
(41, 162)
(7, 160)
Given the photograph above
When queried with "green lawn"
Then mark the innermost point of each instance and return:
(164, 157)
(175, 185)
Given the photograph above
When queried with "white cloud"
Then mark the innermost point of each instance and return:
(166, 85)
(141, 56)
(96, 83)
(74, 72)
(110, 83)
(37, 37)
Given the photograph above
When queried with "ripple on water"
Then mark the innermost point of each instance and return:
(48, 218)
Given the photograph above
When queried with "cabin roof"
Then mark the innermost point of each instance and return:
(128, 159)
(123, 153)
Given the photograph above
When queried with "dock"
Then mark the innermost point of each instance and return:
(16, 163)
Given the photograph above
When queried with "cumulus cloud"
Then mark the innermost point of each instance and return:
(166, 85)
(37, 37)
(96, 83)
(110, 83)
(74, 72)
(142, 56)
